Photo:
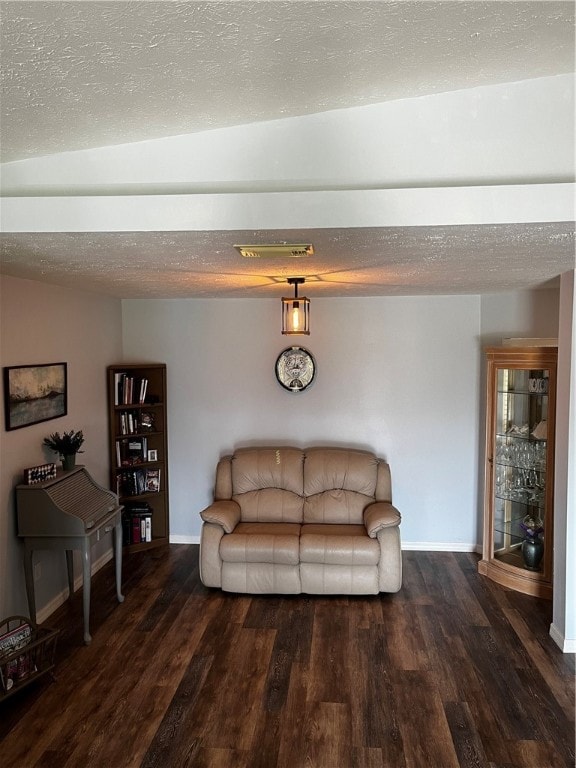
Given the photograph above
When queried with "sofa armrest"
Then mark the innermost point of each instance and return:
(380, 515)
(223, 513)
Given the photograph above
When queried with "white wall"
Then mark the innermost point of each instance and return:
(399, 376)
(520, 314)
(46, 324)
(563, 628)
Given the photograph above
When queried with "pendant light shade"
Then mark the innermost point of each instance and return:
(296, 312)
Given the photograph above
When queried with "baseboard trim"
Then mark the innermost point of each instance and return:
(438, 546)
(422, 546)
(184, 539)
(566, 646)
(47, 610)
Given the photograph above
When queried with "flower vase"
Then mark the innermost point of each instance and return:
(68, 462)
(532, 552)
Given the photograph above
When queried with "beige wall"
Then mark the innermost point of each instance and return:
(46, 324)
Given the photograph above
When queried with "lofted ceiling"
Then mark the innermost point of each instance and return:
(86, 74)
(78, 75)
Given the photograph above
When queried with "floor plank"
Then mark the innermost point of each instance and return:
(453, 670)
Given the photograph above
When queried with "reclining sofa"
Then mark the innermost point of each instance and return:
(286, 521)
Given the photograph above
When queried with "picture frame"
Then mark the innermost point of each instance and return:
(34, 393)
(152, 455)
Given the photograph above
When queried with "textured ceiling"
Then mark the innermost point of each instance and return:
(347, 262)
(87, 74)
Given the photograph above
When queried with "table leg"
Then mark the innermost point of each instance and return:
(87, 576)
(118, 561)
(70, 567)
(29, 577)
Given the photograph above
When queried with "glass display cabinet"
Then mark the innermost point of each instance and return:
(519, 477)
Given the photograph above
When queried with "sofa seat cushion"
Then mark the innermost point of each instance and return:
(261, 578)
(338, 545)
(276, 543)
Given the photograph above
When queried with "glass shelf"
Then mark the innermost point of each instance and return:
(526, 503)
(510, 528)
(521, 392)
(518, 436)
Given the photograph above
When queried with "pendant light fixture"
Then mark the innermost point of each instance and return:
(296, 311)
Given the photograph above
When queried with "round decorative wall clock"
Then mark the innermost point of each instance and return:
(295, 369)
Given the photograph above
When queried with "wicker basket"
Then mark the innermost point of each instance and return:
(26, 653)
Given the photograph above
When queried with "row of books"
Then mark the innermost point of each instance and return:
(136, 524)
(134, 451)
(129, 390)
(138, 481)
(134, 423)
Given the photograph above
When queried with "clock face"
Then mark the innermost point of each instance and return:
(295, 369)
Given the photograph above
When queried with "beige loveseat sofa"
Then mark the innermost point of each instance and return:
(286, 520)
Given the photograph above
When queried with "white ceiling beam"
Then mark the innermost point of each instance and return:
(292, 210)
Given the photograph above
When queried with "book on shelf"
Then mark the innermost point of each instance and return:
(135, 528)
(130, 452)
(137, 523)
(152, 480)
(143, 388)
(118, 389)
(130, 483)
(134, 423)
(137, 451)
(129, 390)
(137, 482)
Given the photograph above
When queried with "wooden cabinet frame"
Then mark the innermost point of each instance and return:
(501, 551)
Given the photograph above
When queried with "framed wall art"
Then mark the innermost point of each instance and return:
(34, 393)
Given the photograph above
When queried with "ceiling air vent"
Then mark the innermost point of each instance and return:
(276, 251)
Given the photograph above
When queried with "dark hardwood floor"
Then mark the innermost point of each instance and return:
(452, 671)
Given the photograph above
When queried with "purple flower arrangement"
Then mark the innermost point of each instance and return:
(532, 527)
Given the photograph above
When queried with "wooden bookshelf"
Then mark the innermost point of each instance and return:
(138, 441)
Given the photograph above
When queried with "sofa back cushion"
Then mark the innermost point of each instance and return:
(338, 485)
(267, 483)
